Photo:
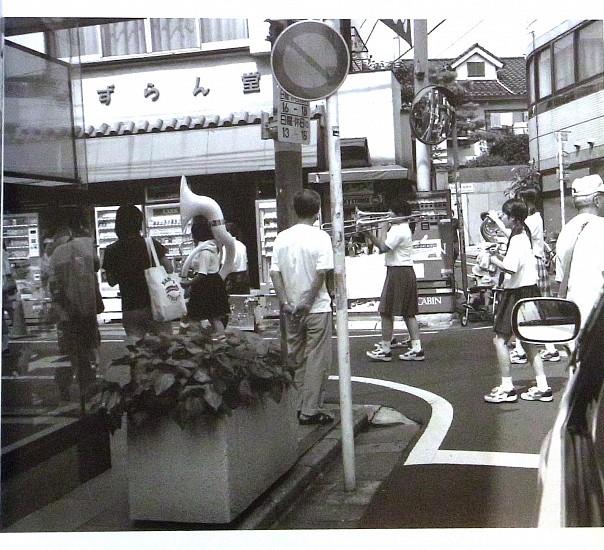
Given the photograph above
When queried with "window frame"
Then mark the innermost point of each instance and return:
(210, 46)
(476, 64)
(574, 39)
(533, 81)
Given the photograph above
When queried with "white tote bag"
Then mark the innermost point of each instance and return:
(167, 296)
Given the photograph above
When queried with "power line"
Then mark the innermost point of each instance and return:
(466, 33)
(429, 32)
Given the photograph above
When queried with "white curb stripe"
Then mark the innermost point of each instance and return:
(438, 426)
(483, 458)
(426, 450)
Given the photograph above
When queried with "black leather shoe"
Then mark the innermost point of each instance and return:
(319, 419)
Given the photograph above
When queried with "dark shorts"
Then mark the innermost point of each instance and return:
(503, 320)
(399, 294)
(208, 298)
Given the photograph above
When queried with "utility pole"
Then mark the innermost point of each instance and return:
(288, 156)
(420, 80)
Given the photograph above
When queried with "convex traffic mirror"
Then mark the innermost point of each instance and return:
(432, 115)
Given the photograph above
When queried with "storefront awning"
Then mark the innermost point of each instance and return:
(370, 173)
(217, 150)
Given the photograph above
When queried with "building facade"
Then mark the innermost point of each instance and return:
(565, 70)
(162, 98)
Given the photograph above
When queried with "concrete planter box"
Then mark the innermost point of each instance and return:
(213, 471)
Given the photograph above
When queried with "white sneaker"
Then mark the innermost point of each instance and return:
(535, 394)
(499, 395)
(379, 355)
(553, 356)
(517, 358)
(394, 343)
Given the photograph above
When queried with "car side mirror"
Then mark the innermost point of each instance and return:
(546, 320)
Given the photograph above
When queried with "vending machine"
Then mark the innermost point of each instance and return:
(21, 236)
(164, 224)
(266, 231)
(433, 251)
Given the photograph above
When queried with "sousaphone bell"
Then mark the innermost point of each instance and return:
(192, 205)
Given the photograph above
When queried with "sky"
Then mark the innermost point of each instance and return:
(503, 29)
(448, 38)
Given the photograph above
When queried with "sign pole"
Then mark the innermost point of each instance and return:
(561, 137)
(338, 243)
(302, 60)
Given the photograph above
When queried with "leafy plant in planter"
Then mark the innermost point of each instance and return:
(186, 377)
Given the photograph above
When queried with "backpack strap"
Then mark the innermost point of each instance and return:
(564, 283)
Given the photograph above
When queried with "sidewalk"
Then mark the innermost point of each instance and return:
(310, 495)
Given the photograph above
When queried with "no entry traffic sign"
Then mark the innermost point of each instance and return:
(310, 60)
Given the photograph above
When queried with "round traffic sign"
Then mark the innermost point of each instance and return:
(310, 60)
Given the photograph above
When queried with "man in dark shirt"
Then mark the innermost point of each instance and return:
(125, 262)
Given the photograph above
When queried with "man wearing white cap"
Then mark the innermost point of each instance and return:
(579, 247)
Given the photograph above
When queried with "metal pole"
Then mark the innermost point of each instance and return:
(420, 62)
(338, 242)
(460, 218)
(560, 137)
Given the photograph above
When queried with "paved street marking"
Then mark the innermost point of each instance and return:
(426, 450)
(483, 458)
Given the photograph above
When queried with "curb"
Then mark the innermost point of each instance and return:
(275, 502)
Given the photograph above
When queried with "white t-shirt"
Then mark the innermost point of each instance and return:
(586, 277)
(535, 223)
(207, 260)
(298, 253)
(240, 260)
(399, 240)
(566, 240)
(520, 259)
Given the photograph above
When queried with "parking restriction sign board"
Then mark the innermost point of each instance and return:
(293, 119)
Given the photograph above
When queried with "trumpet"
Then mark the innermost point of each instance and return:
(370, 221)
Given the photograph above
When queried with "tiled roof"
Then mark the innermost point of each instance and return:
(129, 127)
(476, 45)
(511, 83)
(485, 89)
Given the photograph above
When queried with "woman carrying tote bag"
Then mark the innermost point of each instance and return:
(125, 262)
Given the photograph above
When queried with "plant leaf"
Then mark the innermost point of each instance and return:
(212, 397)
(120, 374)
(163, 383)
(202, 376)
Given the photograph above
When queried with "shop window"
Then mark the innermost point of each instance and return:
(141, 36)
(173, 34)
(591, 50)
(123, 38)
(223, 30)
(476, 69)
(564, 65)
(83, 42)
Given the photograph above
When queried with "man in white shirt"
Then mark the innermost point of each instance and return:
(583, 233)
(302, 257)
